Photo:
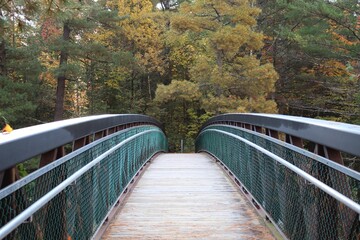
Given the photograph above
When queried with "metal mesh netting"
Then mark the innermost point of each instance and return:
(310, 163)
(298, 208)
(78, 211)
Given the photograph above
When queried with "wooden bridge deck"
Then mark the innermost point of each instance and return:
(186, 196)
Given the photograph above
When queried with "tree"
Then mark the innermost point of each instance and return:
(177, 105)
(19, 66)
(211, 47)
(140, 36)
(314, 46)
(226, 66)
(77, 51)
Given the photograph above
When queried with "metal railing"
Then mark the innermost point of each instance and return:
(331, 135)
(306, 195)
(71, 197)
(48, 140)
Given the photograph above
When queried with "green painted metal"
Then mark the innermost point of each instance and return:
(80, 209)
(298, 208)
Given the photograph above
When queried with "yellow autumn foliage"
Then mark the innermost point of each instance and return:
(178, 90)
(222, 38)
(142, 33)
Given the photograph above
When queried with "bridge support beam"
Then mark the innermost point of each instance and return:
(296, 141)
(272, 133)
(79, 143)
(8, 177)
(51, 156)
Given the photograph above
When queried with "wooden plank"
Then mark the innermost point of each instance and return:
(186, 196)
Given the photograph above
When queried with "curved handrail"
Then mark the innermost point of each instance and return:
(286, 186)
(334, 165)
(19, 219)
(332, 192)
(23, 144)
(340, 136)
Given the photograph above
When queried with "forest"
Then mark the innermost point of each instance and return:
(179, 61)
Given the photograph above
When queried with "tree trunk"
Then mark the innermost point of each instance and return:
(2, 50)
(60, 90)
(2, 57)
(149, 87)
(132, 98)
(90, 88)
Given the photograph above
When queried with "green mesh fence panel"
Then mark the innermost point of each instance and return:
(79, 210)
(298, 208)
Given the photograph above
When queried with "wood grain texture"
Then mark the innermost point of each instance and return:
(186, 196)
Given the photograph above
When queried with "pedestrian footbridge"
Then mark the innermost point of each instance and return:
(253, 176)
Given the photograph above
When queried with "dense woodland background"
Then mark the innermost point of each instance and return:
(179, 61)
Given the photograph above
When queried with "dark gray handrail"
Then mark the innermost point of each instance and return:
(19, 219)
(329, 190)
(340, 136)
(23, 144)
